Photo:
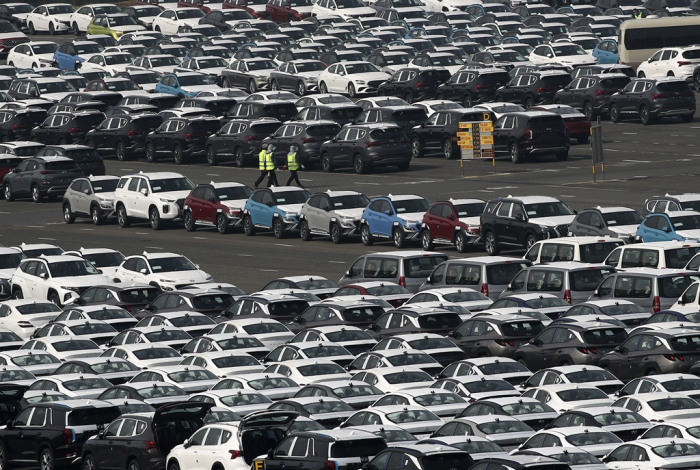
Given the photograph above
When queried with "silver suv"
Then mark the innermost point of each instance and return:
(334, 213)
(91, 197)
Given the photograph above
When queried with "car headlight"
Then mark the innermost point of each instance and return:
(167, 200)
(46, 61)
(166, 280)
(360, 82)
(74, 289)
(209, 278)
(347, 222)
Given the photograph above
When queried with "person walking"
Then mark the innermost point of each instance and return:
(271, 165)
(262, 164)
(293, 166)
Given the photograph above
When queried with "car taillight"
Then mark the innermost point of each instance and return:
(253, 137)
(485, 289)
(479, 87)
(68, 436)
(47, 172)
(543, 88)
(372, 144)
(681, 63)
(602, 92)
(420, 84)
(674, 357)
(150, 445)
(330, 465)
(504, 342)
(402, 281)
(127, 308)
(656, 306)
(658, 96)
(528, 134)
(134, 132)
(588, 350)
(192, 136)
(567, 295)
(308, 140)
(73, 130)
(18, 126)
(235, 454)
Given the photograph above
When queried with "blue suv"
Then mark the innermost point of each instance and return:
(185, 85)
(71, 55)
(396, 217)
(275, 209)
(681, 225)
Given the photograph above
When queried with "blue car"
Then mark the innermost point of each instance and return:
(185, 85)
(275, 209)
(681, 225)
(397, 218)
(674, 316)
(71, 55)
(607, 52)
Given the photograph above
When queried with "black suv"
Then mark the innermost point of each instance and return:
(209, 302)
(592, 93)
(342, 113)
(520, 135)
(495, 335)
(278, 109)
(38, 177)
(651, 99)
(182, 138)
(471, 87)
(308, 136)
(131, 297)
(534, 88)
(162, 101)
(218, 105)
(109, 98)
(422, 457)
(407, 117)
(85, 157)
(239, 140)
(16, 124)
(436, 134)
(66, 128)
(523, 217)
(366, 146)
(123, 135)
(414, 84)
(77, 107)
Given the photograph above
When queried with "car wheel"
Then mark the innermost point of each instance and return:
(381, 92)
(408, 97)
(351, 90)
(561, 156)
(529, 102)
(154, 218)
(9, 197)
(151, 154)
(133, 465)
(514, 151)
(416, 151)
(222, 224)
(426, 240)
(88, 462)
(96, 215)
(211, 156)
(274, 85)
(304, 231)
(323, 88)
(46, 456)
(252, 88)
(687, 118)
(301, 89)
(614, 113)
(491, 244)
(398, 237)
(36, 194)
(468, 101)
(326, 163)
(90, 144)
(238, 155)
(359, 164)
(32, 31)
(696, 81)
(121, 151)
(248, 227)
(336, 235)
(76, 30)
(177, 154)
(62, 141)
(3, 458)
(52, 32)
(226, 83)
(189, 221)
(588, 110)
(278, 228)
(173, 465)
(641, 75)
(122, 217)
(530, 239)
(582, 139)
(68, 214)
(17, 294)
(366, 236)
(447, 149)
(461, 242)
(645, 116)
(498, 99)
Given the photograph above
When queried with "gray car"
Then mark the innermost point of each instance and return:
(614, 222)
(92, 197)
(334, 213)
(40, 177)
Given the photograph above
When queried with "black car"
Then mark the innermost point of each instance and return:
(496, 335)
(76, 108)
(131, 109)
(168, 427)
(341, 113)
(162, 101)
(239, 140)
(360, 315)
(109, 98)
(16, 124)
(218, 105)
(603, 69)
(592, 93)
(39, 177)
(86, 158)
(341, 55)
(308, 136)
(32, 91)
(533, 88)
(530, 411)
(409, 320)
(627, 425)
(414, 84)
(423, 457)
(66, 128)
(407, 117)
(471, 87)
(367, 145)
(277, 109)
(530, 133)
(123, 135)
(129, 297)
(651, 99)
(183, 138)
(53, 432)
(435, 135)
(220, 18)
(209, 302)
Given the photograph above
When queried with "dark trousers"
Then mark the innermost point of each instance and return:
(272, 178)
(263, 173)
(294, 177)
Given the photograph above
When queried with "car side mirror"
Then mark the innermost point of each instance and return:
(186, 444)
(16, 170)
(376, 328)
(144, 191)
(144, 271)
(538, 342)
(87, 191)
(45, 14)
(10, 424)
(388, 212)
(519, 217)
(617, 349)
(42, 275)
(271, 454)
(596, 293)
(347, 273)
(457, 335)
(666, 229)
(101, 434)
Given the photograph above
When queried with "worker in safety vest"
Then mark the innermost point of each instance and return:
(636, 14)
(262, 159)
(270, 166)
(293, 166)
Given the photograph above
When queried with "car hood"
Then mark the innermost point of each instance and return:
(61, 16)
(237, 204)
(290, 208)
(83, 281)
(187, 276)
(129, 28)
(371, 76)
(354, 214)
(173, 196)
(15, 36)
(356, 12)
(310, 74)
(689, 234)
(412, 217)
(194, 88)
(470, 221)
(6, 273)
(553, 221)
(576, 60)
(624, 229)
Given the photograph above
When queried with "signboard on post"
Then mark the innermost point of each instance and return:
(475, 139)
(597, 147)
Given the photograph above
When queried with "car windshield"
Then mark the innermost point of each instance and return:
(407, 359)
(10, 260)
(191, 320)
(35, 358)
(60, 9)
(86, 384)
(676, 450)
(75, 345)
(546, 302)
(362, 67)
(211, 63)
(171, 264)
(468, 210)
(685, 343)
(614, 219)
(269, 383)
(205, 302)
(115, 59)
(171, 184)
(590, 375)
(348, 335)
(72, 268)
(397, 59)
(160, 391)
(523, 328)
(144, 295)
(581, 394)
(239, 343)
(191, 376)
(261, 65)
(320, 369)
(325, 350)
(500, 427)
(524, 408)
(406, 206)
(109, 366)
(106, 186)
(232, 193)
(592, 438)
(436, 398)
(156, 353)
(406, 377)
(411, 416)
(291, 197)
(568, 50)
(37, 307)
(508, 56)
(486, 385)
(44, 48)
(327, 407)
(144, 78)
(163, 61)
(356, 390)
(189, 13)
(447, 60)
(194, 80)
(352, 201)
(60, 86)
(234, 361)
(622, 309)
(668, 404)
(122, 85)
(616, 417)
(45, 398)
(167, 335)
(244, 399)
(601, 336)
(121, 20)
(310, 66)
(91, 329)
(431, 343)
(686, 222)
(547, 209)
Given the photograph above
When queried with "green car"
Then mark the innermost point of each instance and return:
(115, 25)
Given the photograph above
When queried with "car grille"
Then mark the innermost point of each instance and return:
(562, 230)
(12, 42)
(374, 83)
(180, 204)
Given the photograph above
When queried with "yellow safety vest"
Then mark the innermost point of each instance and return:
(638, 16)
(292, 162)
(269, 161)
(262, 159)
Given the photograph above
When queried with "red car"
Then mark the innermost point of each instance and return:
(203, 5)
(284, 11)
(454, 222)
(8, 163)
(217, 205)
(254, 7)
(577, 125)
(393, 293)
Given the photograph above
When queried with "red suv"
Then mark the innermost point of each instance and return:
(201, 4)
(217, 205)
(288, 10)
(256, 8)
(453, 222)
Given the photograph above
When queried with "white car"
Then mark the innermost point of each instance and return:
(77, 386)
(167, 271)
(393, 379)
(106, 260)
(433, 106)
(162, 335)
(192, 379)
(661, 406)
(576, 375)
(32, 55)
(241, 402)
(226, 342)
(684, 428)
(306, 371)
(652, 454)
(565, 397)
(23, 316)
(468, 298)
(310, 350)
(594, 440)
(169, 21)
(441, 402)
(31, 360)
(144, 355)
(442, 349)
(687, 384)
(504, 368)
(442, 60)
(274, 386)
(346, 9)
(16, 375)
(95, 330)
(269, 332)
(409, 358)
(110, 62)
(569, 54)
(158, 63)
(352, 338)
(415, 419)
(194, 323)
(449, 5)
(225, 363)
(64, 348)
(351, 78)
(671, 61)
(476, 387)
(55, 278)
(81, 18)
(209, 65)
(53, 18)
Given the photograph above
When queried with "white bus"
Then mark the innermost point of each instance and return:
(639, 39)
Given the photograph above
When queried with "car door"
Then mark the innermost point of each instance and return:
(536, 352)
(19, 182)
(502, 221)
(502, 133)
(142, 202)
(18, 448)
(208, 205)
(620, 360)
(192, 457)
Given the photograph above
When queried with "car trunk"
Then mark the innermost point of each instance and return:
(345, 115)
(282, 111)
(409, 118)
(174, 423)
(547, 131)
(86, 421)
(10, 396)
(259, 432)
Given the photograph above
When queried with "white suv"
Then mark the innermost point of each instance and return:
(55, 278)
(156, 197)
(671, 62)
(167, 271)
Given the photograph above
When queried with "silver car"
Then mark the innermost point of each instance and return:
(334, 213)
(91, 197)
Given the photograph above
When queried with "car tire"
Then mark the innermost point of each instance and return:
(122, 217)
(17, 294)
(151, 154)
(614, 113)
(36, 194)
(238, 156)
(211, 156)
(62, 141)
(514, 152)
(68, 214)
(52, 32)
(226, 83)
(301, 88)
(687, 118)
(645, 116)
(530, 240)
(248, 227)
(408, 97)
(96, 215)
(359, 164)
(696, 82)
(90, 144)
(76, 30)
(398, 238)
(641, 75)
(252, 88)
(173, 465)
(9, 196)
(278, 228)
(416, 150)
(304, 231)
(188, 219)
(326, 163)
(381, 92)
(89, 462)
(336, 234)
(154, 218)
(529, 102)
(461, 242)
(222, 224)
(582, 140)
(133, 465)
(46, 461)
(468, 101)
(448, 149)
(351, 90)
(323, 88)
(561, 156)
(491, 243)
(177, 154)
(274, 86)
(366, 236)
(120, 150)
(652, 371)
(32, 31)
(426, 240)
(54, 298)
(588, 111)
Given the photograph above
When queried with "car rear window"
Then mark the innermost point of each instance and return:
(497, 79)
(408, 376)
(588, 279)
(92, 416)
(155, 353)
(83, 155)
(92, 119)
(674, 286)
(142, 295)
(287, 308)
(30, 116)
(539, 122)
(265, 129)
(387, 134)
(345, 113)
(439, 320)
(283, 110)
(61, 166)
(522, 328)
(605, 336)
(503, 273)
(435, 75)
(556, 80)
(192, 320)
(147, 122)
(75, 345)
(209, 125)
(9, 162)
(217, 301)
(421, 267)
(449, 461)
(686, 343)
(409, 115)
(357, 448)
(679, 257)
(324, 130)
(672, 87)
(614, 83)
(596, 252)
(362, 314)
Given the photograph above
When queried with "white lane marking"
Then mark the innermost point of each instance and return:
(269, 270)
(127, 169)
(35, 226)
(637, 161)
(212, 174)
(154, 247)
(141, 233)
(242, 254)
(282, 244)
(363, 182)
(337, 262)
(629, 133)
(52, 239)
(199, 238)
(88, 229)
(611, 150)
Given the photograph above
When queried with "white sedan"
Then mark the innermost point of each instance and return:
(53, 18)
(651, 454)
(661, 406)
(351, 78)
(80, 19)
(568, 54)
(23, 316)
(412, 418)
(112, 62)
(241, 402)
(346, 9)
(32, 55)
(170, 21)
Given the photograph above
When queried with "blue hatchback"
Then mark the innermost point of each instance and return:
(607, 52)
(71, 55)
(681, 225)
(185, 85)
(275, 209)
(396, 217)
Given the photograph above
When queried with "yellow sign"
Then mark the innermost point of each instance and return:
(486, 126)
(258, 465)
(487, 139)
